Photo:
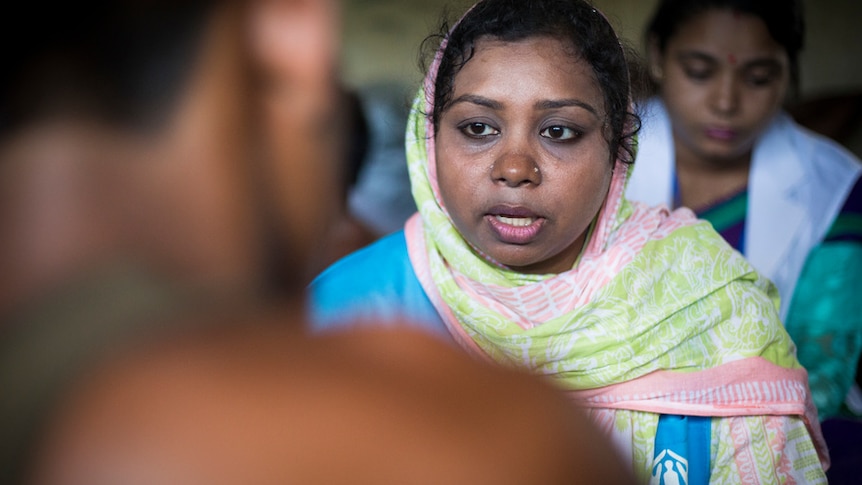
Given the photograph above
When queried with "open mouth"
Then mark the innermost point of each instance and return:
(515, 225)
(516, 221)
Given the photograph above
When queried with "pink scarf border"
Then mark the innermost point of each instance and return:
(746, 387)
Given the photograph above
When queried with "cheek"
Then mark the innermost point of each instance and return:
(591, 184)
(679, 92)
(766, 103)
(594, 189)
(455, 195)
(454, 179)
(576, 195)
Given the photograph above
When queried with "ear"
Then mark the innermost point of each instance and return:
(295, 50)
(204, 163)
(655, 60)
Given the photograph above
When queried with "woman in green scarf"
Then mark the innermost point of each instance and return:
(525, 252)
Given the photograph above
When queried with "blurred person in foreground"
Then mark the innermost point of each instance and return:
(154, 157)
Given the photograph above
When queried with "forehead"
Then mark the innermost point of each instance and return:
(721, 31)
(538, 65)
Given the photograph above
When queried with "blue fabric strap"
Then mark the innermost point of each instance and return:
(682, 450)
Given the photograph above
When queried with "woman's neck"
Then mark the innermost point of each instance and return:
(703, 182)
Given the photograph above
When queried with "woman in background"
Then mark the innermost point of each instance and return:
(716, 139)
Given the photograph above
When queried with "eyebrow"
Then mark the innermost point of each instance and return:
(768, 62)
(543, 105)
(565, 103)
(478, 100)
(694, 55)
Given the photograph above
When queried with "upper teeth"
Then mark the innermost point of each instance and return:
(515, 221)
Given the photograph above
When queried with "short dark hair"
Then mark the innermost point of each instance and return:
(118, 61)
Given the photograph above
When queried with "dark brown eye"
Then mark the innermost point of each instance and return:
(560, 133)
(478, 130)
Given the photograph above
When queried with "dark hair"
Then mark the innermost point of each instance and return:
(783, 18)
(359, 137)
(122, 61)
(591, 35)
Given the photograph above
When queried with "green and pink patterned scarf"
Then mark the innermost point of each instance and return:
(658, 315)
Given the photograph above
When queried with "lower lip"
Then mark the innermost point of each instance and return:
(720, 135)
(515, 234)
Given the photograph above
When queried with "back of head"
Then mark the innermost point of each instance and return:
(153, 386)
(90, 97)
(175, 134)
(135, 158)
(119, 62)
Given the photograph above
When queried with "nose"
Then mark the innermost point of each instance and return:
(516, 166)
(725, 95)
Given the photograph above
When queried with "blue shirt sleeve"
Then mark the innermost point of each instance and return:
(375, 285)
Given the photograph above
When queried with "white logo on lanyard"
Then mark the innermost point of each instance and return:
(668, 468)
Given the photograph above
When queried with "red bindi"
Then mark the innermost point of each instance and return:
(731, 59)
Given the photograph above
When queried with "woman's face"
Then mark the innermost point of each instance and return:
(522, 163)
(723, 78)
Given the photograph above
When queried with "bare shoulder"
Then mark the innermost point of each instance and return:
(263, 403)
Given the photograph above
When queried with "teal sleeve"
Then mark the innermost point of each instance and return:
(825, 321)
